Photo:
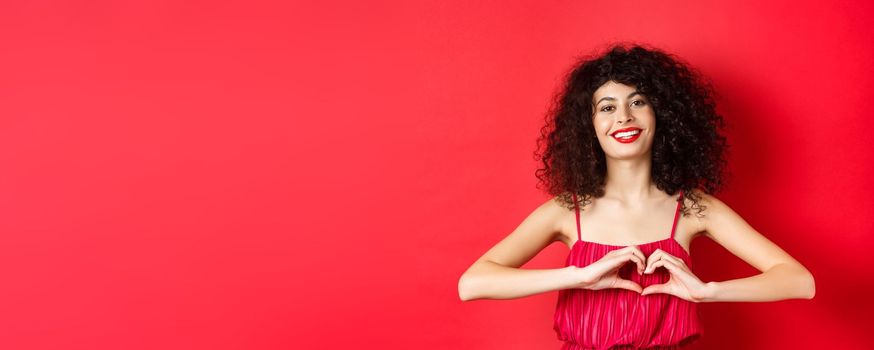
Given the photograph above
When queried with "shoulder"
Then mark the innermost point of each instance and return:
(551, 216)
(708, 209)
(554, 210)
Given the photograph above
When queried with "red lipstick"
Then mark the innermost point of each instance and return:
(627, 138)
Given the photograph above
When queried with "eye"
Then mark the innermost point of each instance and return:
(639, 104)
(604, 109)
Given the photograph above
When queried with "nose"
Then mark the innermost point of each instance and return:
(625, 117)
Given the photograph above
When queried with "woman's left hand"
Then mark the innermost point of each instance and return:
(683, 283)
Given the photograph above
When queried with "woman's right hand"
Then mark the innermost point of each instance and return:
(604, 273)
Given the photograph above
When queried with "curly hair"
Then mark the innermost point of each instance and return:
(688, 151)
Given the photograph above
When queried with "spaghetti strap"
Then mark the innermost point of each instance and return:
(677, 214)
(577, 212)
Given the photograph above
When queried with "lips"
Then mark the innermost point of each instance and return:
(627, 135)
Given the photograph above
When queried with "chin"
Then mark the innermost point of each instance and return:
(628, 154)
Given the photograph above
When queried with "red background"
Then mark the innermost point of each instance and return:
(272, 175)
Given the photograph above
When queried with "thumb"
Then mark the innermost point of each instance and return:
(626, 284)
(655, 288)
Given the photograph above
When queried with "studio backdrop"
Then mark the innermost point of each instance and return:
(318, 175)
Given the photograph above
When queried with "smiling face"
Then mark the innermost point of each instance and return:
(624, 121)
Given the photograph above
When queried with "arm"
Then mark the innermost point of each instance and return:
(490, 280)
(496, 275)
(782, 276)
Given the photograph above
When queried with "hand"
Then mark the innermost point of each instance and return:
(683, 283)
(604, 273)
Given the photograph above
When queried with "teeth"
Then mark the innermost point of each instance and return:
(627, 133)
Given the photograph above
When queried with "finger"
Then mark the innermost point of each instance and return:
(640, 260)
(659, 255)
(655, 288)
(653, 266)
(651, 260)
(639, 253)
(682, 274)
(623, 256)
(636, 259)
(626, 284)
(634, 250)
(672, 268)
(663, 255)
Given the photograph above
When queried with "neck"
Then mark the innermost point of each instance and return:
(630, 180)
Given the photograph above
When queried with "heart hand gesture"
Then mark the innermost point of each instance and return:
(682, 283)
(604, 273)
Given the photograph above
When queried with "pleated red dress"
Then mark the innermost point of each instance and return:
(623, 319)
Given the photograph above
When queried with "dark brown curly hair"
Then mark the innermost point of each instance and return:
(688, 151)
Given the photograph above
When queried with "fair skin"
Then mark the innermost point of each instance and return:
(633, 211)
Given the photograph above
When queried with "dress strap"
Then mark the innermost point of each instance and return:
(677, 214)
(577, 212)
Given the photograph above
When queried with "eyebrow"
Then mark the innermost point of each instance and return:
(613, 99)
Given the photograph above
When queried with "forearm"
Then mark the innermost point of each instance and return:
(488, 280)
(780, 282)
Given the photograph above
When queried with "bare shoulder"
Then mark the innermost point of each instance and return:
(551, 213)
(707, 208)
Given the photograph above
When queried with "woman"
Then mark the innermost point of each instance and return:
(632, 148)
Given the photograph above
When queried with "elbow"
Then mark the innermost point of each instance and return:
(800, 282)
(805, 283)
(810, 286)
(465, 288)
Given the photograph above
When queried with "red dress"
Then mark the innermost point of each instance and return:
(623, 319)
